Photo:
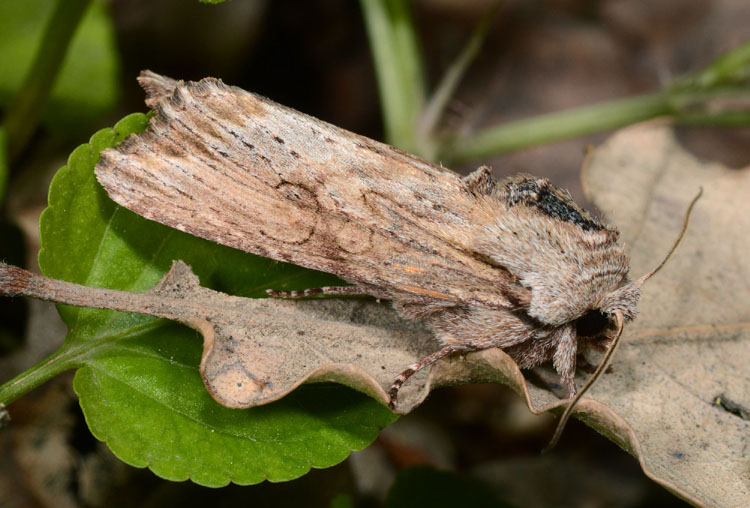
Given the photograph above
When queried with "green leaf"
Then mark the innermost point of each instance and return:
(139, 384)
(398, 67)
(424, 486)
(87, 85)
(342, 501)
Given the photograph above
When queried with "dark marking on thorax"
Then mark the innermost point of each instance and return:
(553, 202)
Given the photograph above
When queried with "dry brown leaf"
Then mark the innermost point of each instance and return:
(691, 341)
(258, 350)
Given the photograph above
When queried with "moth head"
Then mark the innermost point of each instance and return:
(615, 309)
(624, 300)
(599, 323)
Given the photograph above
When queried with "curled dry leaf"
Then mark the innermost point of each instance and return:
(258, 350)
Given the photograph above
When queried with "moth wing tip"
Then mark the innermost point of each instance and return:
(156, 86)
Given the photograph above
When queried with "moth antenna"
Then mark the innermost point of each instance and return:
(598, 372)
(685, 222)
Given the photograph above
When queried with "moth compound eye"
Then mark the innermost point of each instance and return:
(591, 324)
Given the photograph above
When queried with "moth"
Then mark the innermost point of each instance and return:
(512, 264)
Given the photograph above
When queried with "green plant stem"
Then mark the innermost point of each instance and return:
(25, 112)
(717, 95)
(558, 126)
(728, 119)
(445, 90)
(398, 68)
(58, 362)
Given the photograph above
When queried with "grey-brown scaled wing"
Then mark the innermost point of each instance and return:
(229, 166)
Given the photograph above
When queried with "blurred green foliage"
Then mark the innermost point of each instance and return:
(88, 83)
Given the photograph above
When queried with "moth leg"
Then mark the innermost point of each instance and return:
(421, 364)
(564, 358)
(583, 364)
(588, 367)
(328, 290)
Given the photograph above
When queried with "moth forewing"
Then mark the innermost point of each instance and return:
(237, 169)
(483, 263)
